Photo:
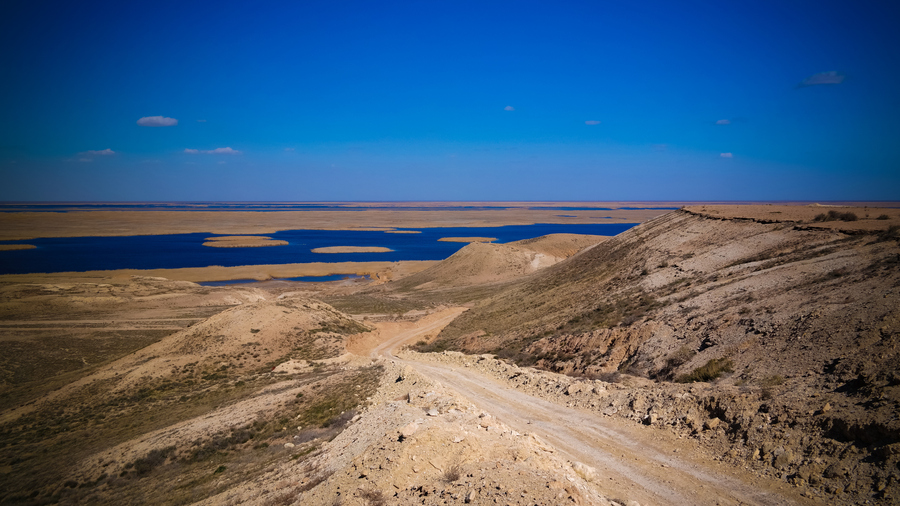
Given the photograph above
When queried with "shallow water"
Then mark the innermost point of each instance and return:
(63, 254)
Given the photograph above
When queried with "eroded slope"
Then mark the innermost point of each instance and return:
(802, 324)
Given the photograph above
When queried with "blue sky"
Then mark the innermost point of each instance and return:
(450, 101)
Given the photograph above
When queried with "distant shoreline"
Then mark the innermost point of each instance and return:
(110, 221)
(377, 270)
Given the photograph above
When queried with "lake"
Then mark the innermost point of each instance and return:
(64, 254)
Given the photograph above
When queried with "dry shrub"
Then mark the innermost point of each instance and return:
(709, 371)
(834, 216)
(452, 473)
(372, 496)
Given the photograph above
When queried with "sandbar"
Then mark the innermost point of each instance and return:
(351, 249)
(467, 239)
(242, 241)
(12, 247)
(402, 231)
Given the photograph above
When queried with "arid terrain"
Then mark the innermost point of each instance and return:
(711, 355)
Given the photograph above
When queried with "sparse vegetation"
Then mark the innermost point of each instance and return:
(707, 372)
(681, 356)
(452, 473)
(373, 497)
(883, 217)
(835, 216)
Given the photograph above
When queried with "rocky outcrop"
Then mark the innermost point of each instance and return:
(787, 436)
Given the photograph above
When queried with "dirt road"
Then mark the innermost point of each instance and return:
(648, 465)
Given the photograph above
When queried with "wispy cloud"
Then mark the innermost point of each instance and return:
(157, 121)
(723, 122)
(832, 77)
(201, 121)
(102, 152)
(591, 122)
(217, 151)
(726, 155)
(223, 151)
(88, 156)
(289, 149)
(509, 108)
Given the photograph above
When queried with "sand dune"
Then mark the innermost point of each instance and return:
(480, 263)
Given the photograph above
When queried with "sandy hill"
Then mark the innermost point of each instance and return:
(802, 323)
(483, 263)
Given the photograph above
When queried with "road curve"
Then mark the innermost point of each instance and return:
(638, 463)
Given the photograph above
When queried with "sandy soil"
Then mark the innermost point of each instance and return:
(12, 247)
(467, 239)
(351, 249)
(378, 270)
(482, 263)
(868, 218)
(242, 241)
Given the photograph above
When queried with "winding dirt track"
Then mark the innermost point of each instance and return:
(637, 463)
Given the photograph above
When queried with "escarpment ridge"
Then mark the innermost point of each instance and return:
(797, 326)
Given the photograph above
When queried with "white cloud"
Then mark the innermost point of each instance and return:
(726, 155)
(223, 151)
(217, 151)
(509, 108)
(723, 122)
(102, 152)
(591, 122)
(157, 121)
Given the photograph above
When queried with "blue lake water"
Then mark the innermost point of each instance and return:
(186, 250)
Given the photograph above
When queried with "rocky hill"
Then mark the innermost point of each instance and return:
(797, 325)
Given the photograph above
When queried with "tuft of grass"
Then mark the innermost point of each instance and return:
(452, 473)
(709, 371)
(883, 217)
